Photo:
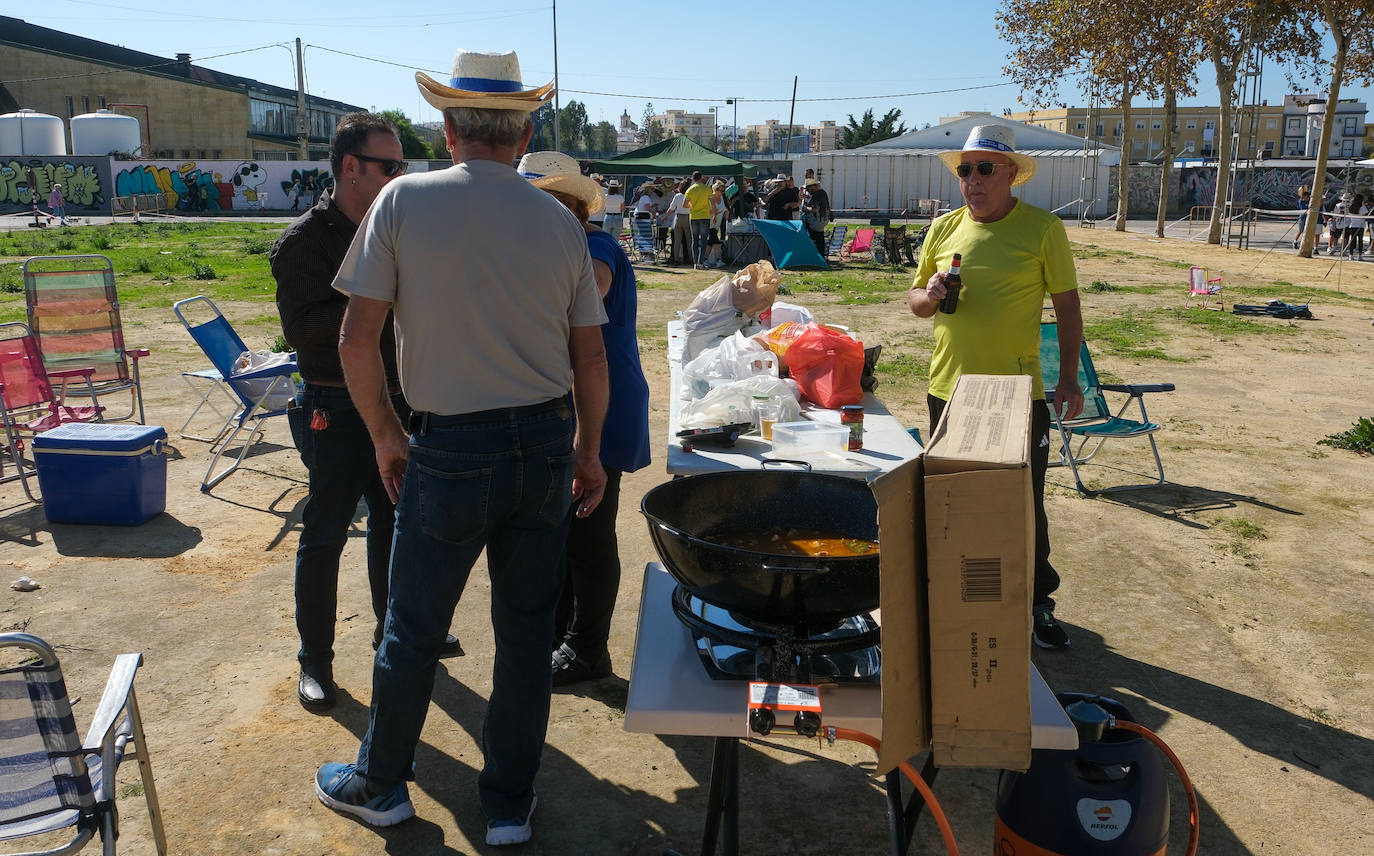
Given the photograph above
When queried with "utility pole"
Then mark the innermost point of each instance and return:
(790, 116)
(302, 119)
(556, 95)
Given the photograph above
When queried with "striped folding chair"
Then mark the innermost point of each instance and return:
(50, 780)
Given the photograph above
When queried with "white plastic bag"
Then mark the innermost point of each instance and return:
(736, 357)
(783, 312)
(252, 361)
(709, 319)
(733, 402)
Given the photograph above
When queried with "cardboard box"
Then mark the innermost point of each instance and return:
(902, 595)
(980, 559)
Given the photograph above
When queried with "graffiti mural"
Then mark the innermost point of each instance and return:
(24, 180)
(1268, 188)
(304, 185)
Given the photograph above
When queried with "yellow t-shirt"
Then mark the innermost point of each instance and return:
(699, 198)
(1008, 268)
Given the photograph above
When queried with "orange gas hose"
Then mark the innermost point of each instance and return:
(938, 813)
(1149, 735)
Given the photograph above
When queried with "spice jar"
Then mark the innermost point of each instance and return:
(853, 416)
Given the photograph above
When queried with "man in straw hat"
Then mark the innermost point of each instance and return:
(499, 335)
(1013, 255)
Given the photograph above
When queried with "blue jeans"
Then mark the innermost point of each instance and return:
(614, 225)
(499, 479)
(343, 469)
(701, 229)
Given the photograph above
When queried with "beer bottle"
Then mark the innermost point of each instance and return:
(953, 284)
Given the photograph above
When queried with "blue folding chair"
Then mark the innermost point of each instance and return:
(1097, 422)
(642, 231)
(836, 242)
(217, 338)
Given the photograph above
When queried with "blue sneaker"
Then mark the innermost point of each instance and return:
(338, 787)
(513, 830)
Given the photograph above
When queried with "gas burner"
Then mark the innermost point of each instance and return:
(732, 649)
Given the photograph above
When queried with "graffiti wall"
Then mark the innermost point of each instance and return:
(193, 187)
(25, 180)
(1271, 188)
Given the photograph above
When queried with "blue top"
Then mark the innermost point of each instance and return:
(100, 436)
(625, 437)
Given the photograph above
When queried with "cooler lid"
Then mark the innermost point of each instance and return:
(100, 435)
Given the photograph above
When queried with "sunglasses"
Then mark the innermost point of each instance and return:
(964, 170)
(390, 168)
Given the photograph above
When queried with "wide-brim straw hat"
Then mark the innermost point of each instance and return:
(999, 139)
(813, 182)
(557, 171)
(488, 81)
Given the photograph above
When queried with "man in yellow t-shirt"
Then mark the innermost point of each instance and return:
(1013, 255)
(699, 200)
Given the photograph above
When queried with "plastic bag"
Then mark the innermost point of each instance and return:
(733, 401)
(782, 312)
(709, 319)
(780, 338)
(252, 361)
(827, 365)
(736, 357)
(754, 287)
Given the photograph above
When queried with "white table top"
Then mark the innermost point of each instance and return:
(887, 444)
(671, 693)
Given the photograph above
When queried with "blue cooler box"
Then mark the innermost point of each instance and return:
(102, 473)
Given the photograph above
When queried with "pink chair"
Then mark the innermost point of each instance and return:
(1203, 289)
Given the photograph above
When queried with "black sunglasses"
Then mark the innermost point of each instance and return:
(964, 170)
(390, 168)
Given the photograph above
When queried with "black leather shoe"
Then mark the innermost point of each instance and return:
(571, 668)
(451, 648)
(316, 688)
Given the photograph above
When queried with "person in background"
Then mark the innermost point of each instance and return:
(816, 213)
(1354, 228)
(783, 199)
(1339, 222)
(663, 216)
(680, 216)
(57, 204)
(1014, 254)
(501, 355)
(615, 210)
(715, 238)
(698, 200)
(1304, 203)
(366, 155)
(582, 627)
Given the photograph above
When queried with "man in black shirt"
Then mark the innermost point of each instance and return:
(333, 441)
(783, 200)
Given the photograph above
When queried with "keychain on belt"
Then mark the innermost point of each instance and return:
(319, 420)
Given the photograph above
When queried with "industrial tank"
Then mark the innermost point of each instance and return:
(103, 132)
(28, 132)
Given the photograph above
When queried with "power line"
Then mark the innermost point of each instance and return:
(155, 65)
(368, 21)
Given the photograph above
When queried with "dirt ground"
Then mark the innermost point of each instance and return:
(1229, 610)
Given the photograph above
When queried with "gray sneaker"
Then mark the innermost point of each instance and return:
(1047, 632)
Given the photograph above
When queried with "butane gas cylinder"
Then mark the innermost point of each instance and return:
(1108, 797)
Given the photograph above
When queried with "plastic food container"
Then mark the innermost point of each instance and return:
(796, 439)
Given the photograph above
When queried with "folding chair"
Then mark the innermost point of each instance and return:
(862, 243)
(642, 234)
(28, 404)
(49, 781)
(1203, 288)
(897, 244)
(217, 338)
(73, 310)
(208, 385)
(836, 243)
(1097, 422)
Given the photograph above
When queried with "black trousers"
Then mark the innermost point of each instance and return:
(1046, 578)
(592, 579)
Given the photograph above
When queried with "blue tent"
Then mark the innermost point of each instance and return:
(790, 244)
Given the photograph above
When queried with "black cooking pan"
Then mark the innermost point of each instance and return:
(812, 592)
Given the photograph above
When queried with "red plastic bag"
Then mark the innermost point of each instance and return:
(827, 365)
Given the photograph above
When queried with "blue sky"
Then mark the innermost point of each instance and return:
(935, 60)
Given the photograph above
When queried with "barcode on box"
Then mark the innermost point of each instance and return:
(980, 580)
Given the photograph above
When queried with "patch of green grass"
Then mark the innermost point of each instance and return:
(1290, 293)
(1359, 438)
(131, 790)
(903, 366)
(1098, 286)
(1130, 336)
(1242, 534)
(199, 270)
(1224, 324)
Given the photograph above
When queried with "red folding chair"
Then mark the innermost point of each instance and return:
(28, 404)
(862, 243)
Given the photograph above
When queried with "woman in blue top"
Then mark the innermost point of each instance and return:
(593, 555)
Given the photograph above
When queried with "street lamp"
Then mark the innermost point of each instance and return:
(715, 125)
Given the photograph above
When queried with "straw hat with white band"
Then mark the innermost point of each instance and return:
(557, 171)
(489, 81)
(994, 138)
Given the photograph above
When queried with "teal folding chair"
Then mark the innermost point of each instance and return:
(1097, 424)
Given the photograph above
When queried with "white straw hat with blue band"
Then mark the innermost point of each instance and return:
(487, 81)
(560, 172)
(994, 138)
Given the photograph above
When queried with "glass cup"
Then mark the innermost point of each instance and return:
(766, 415)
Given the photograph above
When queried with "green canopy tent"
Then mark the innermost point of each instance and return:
(674, 156)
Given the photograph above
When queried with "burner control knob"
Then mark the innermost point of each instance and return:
(761, 721)
(807, 723)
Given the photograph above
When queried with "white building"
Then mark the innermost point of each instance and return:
(895, 175)
(1302, 126)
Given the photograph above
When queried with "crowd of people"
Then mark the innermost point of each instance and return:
(390, 282)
